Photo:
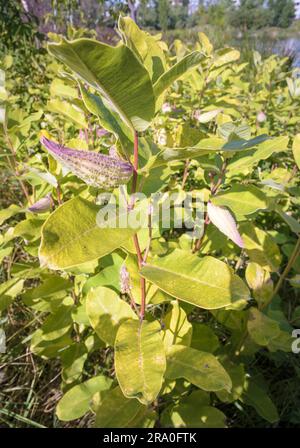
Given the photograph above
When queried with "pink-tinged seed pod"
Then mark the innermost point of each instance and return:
(97, 170)
(43, 205)
(224, 221)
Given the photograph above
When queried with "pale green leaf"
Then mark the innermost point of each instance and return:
(71, 236)
(179, 69)
(177, 328)
(205, 282)
(242, 199)
(106, 312)
(117, 411)
(199, 368)
(260, 247)
(76, 401)
(113, 71)
(140, 360)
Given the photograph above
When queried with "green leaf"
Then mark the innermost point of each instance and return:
(9, 290)
(140, 361)
(108, 119)
(179, 69)
(177, 329)
(191, 412)
(145, 47)
(71, 236)
(106, 312)
(225, 56)
(117, 411)
(293, 223)
(245, 161)
(72, 360)
(261, 328)
(76, 401)
(199, 368)
(257, 397)
(241, 199)
(238, 378)
(260, 247)
(205, 282)
(69, 111)
(204, 339)
(7, 213)
(59, 88)
(296, 149)
(203, 147)
(116, 73)
(57, 324)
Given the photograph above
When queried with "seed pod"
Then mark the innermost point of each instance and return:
(43, 205)
(224, 221)
(97, 170)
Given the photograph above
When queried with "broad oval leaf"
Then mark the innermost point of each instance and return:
(140, 360)
(76, 401)
(242, 199)
(199, 368)
(71, 236)
(115, 72)
(117, 411)
(205, 282)
(106, 312)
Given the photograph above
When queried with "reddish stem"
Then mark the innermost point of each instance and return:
(135, 237)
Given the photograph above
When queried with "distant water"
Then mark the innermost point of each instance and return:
(289, 46)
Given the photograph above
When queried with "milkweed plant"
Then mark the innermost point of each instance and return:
(158, 226)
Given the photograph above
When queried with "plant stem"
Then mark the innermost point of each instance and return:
(135, 237)
(13, 165)
(185, 173)
(214, 188)
(288, 267)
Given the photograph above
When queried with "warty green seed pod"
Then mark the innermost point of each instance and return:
(95, 169)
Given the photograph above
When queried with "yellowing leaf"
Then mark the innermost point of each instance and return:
(205, 282)
(140, 360)
(71, 236)
(199, 368)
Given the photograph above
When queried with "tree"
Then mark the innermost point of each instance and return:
(282, 12)
(250, 14)
(163, 12)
